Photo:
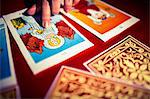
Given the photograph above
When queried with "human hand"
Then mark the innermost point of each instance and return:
(50, 6)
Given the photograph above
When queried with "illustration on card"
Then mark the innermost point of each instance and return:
(5, 71)
(98, 15)
(93, 12)
(41, 42)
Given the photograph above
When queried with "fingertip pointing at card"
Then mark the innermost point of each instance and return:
(45, 14)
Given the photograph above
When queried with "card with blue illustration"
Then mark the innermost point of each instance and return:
(45, 47)
(7, 73)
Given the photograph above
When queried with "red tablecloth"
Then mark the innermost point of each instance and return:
(32, 86)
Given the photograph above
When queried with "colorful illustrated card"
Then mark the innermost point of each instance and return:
(100, 18)
(73, 83)
(43, 48)
(7, 72)
(127, 61)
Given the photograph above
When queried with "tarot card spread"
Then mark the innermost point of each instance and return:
(76, 84)
(101, 19)
(127, 61)
(41, 47)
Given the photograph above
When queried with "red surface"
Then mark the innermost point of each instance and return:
(32, 86)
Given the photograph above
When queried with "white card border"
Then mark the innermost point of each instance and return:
(105, 51)
(111, 33)
(38, 67)
(10, 81)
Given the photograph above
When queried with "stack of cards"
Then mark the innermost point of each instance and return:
(72, 83)
(43, 48)
(8, 83)
(100, 18)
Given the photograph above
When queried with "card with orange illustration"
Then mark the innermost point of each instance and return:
(100, 18)
(71, 83)
(127, 61)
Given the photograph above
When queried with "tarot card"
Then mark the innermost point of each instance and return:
(127, 61)
(11, 93)
(100, 18)
(43, 48)
(72, 83)
(7, 73)
(8, 83)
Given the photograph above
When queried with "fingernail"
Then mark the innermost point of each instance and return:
(55, 13)
(68, 9)
(45, 24)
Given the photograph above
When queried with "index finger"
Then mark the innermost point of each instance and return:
(56, 6)
(45, 13)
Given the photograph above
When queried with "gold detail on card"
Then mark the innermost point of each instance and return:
(128, 61)
(75, 85)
